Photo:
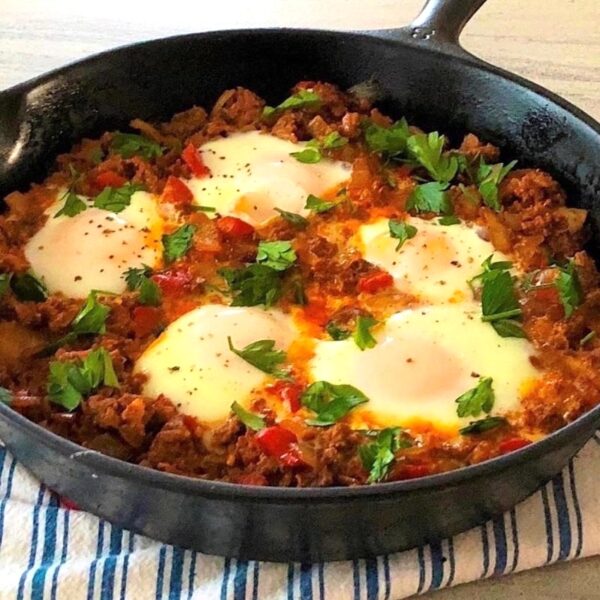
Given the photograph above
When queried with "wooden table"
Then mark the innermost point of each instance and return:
(553, 42)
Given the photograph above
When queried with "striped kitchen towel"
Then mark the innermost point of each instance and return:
(49, 551)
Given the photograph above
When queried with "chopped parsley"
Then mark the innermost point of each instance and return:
(139, 279)
(427, 151)
(401, 231)
(116, 199)
(252, 285)
(330, 402)
(298, 221)
(387, 141)
(488, 178)
(5, 396)
(569, 288)
(362, 334)
(449, 220)
(482, 425)
(249, 419)
(28, 288)
(132, 144)
(477, 400)
(378, 456)
(333, 140)
(262, 355)
(69, 382)
(277, 255)
(176, 244)
(311, 153)
(430, 197)
(73, 205)
(317, 205)
(336, 332)
(91, 318)
(303, 99)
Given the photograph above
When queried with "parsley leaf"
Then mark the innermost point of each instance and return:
(176, 244)
(362, 335)
(569, 288)
(488, 178)
(5, 396)
(277, 255)
(303, 99)
(252, 285)
(477, 400)
(317, 205)
(69, 382)
(430, 197)
(263, 356)
(336, 332)
(508, 328)
(427, 150)
(449, 220)
(73, 205)
(311, 153)
(401, 231)
(388, 141)
(91, 318)
(498, 297)
(333, 140)
(330, 402)
(4, 283)
(132, 144)
(298, 221)
(139, 279)
(249, 419)
(116, 199)
(482, 425)
(28, 288)
(377, 456)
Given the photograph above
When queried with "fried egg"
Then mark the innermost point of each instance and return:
(435, 265)
(192, 365)
(253, 173)
(424, 359)
(93, 249)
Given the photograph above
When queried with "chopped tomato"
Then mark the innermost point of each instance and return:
(287, 392)
(280, 443)
(547, 295)
(375, 282)
(110, 179)
(176, 191)
(146, 319)
(414, 471)
(193, 159)
(174, 281)
(316, 312)
(512, 444)
(234, 227)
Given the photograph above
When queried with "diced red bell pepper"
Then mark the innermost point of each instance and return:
(414, 471)
(375, 282)
(193, 159)
(234, 227)
(512, 444)
(288, 392)
(146, 319)
(174, 281)
(281, 443)
(110, 179)
(176, 192)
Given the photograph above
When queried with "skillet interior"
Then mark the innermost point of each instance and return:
(154, 80)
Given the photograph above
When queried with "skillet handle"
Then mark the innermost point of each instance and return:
(438, 26)
(443, 20)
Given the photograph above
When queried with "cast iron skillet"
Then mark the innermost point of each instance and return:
(427, 77)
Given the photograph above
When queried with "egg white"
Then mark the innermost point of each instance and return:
(93, 249)
(435, 265)
(192, 364)
(424, 359)
(253, 173)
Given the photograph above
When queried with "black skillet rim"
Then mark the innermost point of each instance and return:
(104, 464)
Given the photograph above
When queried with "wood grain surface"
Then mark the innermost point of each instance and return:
(555, 43)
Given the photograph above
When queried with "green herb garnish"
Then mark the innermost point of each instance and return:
(303, 99)
(336, 332)
(132, 144)
(277, 255)
(252, 285)
(482, 425)
(430, 197)
(488, 178)
(377, 456)
(427, 150)
(176, 244)
(73, 205)
(477, 400)
(4, 283)
(449, 220)
(387, 141)
(569, 288)
(263, 356)
(362, 335)
(91, 318)
(139, 279)
(28, 288)
(331, 402)
(5, 396)
(401, 231)
(116, 199)
(298, 221)
(250, 420)
(317, 205)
